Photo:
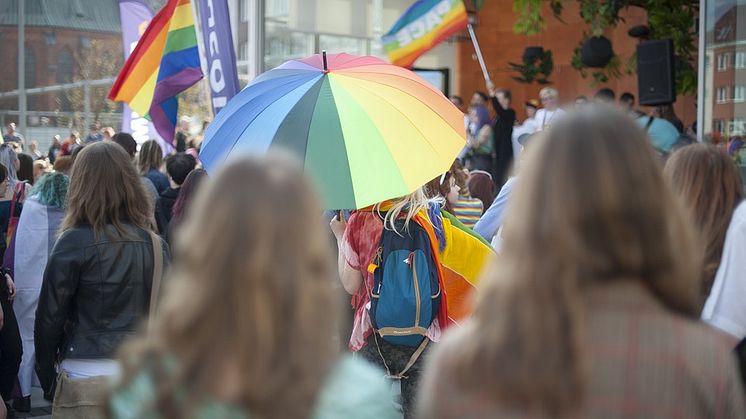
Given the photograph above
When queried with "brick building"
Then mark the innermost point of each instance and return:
(500, 45)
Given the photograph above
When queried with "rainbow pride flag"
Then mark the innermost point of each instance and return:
(423, 26)
(164, 63)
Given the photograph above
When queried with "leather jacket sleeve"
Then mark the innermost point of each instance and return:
(61, 278)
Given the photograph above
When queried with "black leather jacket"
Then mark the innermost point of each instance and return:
(95, 294)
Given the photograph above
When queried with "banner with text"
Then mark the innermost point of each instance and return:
(215, 25)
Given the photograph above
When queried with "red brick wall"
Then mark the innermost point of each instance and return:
(46, 59)
(500, 46)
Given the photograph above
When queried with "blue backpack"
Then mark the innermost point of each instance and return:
(406, 291)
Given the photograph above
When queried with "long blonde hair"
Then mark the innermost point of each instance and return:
(250, 301)
(151, 157)
(410, 205)
(590, 208)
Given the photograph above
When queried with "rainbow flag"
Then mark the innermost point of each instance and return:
(423, 26)
(164, 63)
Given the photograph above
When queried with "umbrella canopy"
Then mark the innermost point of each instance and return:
(367, 131)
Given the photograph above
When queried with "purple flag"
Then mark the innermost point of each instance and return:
(136, 15)
(221, 57)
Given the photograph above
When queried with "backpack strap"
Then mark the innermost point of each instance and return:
(155, 286)
(412, 360)
(651, 118)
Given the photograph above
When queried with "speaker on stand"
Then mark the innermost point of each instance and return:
(655, 73)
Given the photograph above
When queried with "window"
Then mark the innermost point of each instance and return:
(740, 60)
(722, 95)
(723, 61)
(739, 94)
(243, 51)
(30, 73)
(736, 126)
(718, 125)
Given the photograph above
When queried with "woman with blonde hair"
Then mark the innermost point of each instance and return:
(591, 311)
(246, 328)
(397, 259)
(710, 185)
(150, 162)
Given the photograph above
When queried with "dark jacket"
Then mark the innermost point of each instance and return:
(503, 142)
(94, 295)
(168, 199)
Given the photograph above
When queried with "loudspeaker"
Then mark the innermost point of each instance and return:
(655, 73)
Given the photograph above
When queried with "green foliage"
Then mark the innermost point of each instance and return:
(667, 19)
(534, 69)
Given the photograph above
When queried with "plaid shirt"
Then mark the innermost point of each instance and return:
(644, 362)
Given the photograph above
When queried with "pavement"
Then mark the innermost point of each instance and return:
(40, 408)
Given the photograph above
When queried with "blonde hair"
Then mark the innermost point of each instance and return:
(591, 208)
(257, 310)
(548, 92)
(410, 204)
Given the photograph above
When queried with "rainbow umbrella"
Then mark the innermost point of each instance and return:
(367, 131)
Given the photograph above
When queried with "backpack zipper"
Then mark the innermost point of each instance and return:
(416, 290)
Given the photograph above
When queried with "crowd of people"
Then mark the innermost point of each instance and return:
(581, 263)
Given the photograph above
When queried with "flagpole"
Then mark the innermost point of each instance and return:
(478, 50)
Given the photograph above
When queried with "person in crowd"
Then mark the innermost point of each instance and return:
(195, 142)
(528, 126)
(481, 141)
(71, 143)
(481, 186)
(33, 150)
(128, 143)
(107, 133)
(11, 135)
(663, 135)
(94, 134)
(10, 338)
(25, 260)
(77, 151)
(580, 102)
(9, 159)
(444, 188)
(63, 164)
(550, 113)
(25, 168)
(601, 322)
(97, 282)
(457, 102)
(178, 167)
(367, 245)
(530, 107)
(187, 193)
(627, 103)
(604, 95)
(466, 208)
(182, 135)
(667, 112)
(256, 339)
(54, 148)
(479, 98)
(710, 184)
(150, 164)
(40, 168)
(503, 132)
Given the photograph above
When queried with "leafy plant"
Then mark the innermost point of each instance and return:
(667, 19)
(535, 68)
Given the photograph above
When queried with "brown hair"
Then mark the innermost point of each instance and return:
(258, 333)
(591, 208)
(63, 164)
(482, 187)
(105, 189)
(151, 157)
(710, 185)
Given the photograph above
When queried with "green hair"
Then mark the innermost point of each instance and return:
(51, 190)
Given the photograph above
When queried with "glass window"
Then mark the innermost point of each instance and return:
(740, 61)
(723, 61)
(30, 73)
(739, 94)
(350, 45)
(722, 94)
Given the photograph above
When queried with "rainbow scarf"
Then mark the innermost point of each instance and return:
(423, 26)
(164, 63)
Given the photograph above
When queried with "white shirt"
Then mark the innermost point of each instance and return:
(725, 308)
(544, 118)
